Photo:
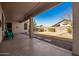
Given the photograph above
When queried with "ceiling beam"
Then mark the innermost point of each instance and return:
(39, 9)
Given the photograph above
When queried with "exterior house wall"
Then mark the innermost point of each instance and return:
(61, 24)
(2, 32)
(0, 27)
(61, 29)
(19, 27)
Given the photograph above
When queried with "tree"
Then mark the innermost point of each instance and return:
(34, 25)
(50, 29)
(41, 28)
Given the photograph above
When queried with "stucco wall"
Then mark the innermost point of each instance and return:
(1, 32)
(61, 29)
(19, 27)
(0, 27)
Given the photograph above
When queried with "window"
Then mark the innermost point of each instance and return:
(25, 26)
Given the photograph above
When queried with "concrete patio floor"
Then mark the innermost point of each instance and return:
(21, 45)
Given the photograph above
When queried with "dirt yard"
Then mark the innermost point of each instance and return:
(62, 35)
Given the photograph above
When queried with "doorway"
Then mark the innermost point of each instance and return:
(9, 26)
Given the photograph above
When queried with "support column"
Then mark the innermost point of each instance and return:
(75, 48)
(30, 27)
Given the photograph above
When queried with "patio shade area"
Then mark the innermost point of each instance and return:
(21, 34)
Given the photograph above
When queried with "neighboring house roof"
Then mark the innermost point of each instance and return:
(58, 24)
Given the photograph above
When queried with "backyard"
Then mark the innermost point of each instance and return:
(62, 35)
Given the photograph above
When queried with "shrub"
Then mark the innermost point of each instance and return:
(51, 29)
(41, 29)
(69, 30)
(37, 29)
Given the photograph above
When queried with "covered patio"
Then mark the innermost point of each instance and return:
(24, 42)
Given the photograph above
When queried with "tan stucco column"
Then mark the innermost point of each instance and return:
(30, 27)
(75, 49)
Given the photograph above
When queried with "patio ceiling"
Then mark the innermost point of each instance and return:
(21, 11)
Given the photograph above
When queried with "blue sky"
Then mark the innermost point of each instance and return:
(54, 15)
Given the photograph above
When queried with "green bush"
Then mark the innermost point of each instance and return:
(69, 30)
(41, 29)
(51, 29)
